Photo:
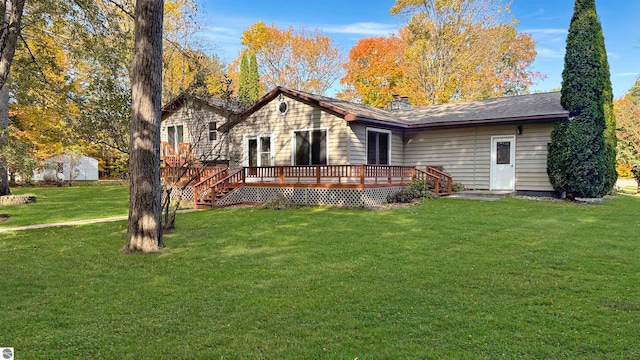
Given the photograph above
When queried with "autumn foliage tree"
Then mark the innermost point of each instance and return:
(299, 59)
(186, 68)
(627, 114)
(374, 71)
(457, 50)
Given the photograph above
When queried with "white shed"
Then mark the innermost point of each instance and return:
(86, 170)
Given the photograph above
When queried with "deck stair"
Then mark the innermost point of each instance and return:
(442, 182)
(211, 190)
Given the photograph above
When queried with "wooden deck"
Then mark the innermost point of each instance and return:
(180, 168)
(220, 183)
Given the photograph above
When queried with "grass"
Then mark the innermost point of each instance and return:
(629, 190)
(449, 279)
(57, 204)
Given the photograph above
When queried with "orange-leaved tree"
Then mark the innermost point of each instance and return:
(627, 113)
(374, 70)
(298, 59)
(462, 50)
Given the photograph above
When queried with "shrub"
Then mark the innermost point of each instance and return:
(416, 190)
(581, 158)
(405, 195)
(456, 187)
(624, 171)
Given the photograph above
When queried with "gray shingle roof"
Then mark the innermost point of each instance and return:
(537, 106)
(541, 105)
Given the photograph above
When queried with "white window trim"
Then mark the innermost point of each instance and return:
(294, 145)
(366, 145)
(175, 133)
(245, 148)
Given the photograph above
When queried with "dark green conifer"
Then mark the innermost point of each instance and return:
(579, 161)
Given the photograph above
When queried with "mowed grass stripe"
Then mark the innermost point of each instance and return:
(446, 279)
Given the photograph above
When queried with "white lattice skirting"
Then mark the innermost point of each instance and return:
(312, 196)
(176, 193)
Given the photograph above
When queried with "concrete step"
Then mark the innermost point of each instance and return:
(482, 194)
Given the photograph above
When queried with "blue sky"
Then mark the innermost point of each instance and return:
(347, 21)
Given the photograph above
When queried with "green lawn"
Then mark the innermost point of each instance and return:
(450, 279)
(56, 204)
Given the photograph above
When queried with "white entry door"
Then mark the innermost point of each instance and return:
(503, 161)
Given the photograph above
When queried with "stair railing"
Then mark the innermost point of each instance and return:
(219, 187)
(442, 182)
(203, 188)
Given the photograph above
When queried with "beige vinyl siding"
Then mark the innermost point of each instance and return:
(466, 154)
(455, 150)
(357, 144)
(531, 158)
(195, 118)
(300, 116)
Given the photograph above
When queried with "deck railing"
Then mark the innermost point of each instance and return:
(219, 182)
(331, 174)
(194, 173)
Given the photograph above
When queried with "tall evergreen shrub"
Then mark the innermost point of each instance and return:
(254, 79)
(243, 81)
(579, 161)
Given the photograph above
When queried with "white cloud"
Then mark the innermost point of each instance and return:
(362, 28)
(626, 74)
(545, 31)
(548, 53)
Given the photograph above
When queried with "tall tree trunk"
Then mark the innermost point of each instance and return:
(11, 14)
(145, 210)
(4, 122)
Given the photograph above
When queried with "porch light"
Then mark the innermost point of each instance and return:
(519, 129)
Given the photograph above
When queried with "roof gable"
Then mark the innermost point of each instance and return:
(220, 106)
(520, 108)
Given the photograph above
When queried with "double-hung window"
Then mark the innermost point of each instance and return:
(175, 136)
(213, 132)
(378, 147)
(310, 147)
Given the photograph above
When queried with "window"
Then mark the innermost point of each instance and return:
(282, 106)
(311, 147)
(378, 147)
(175, 136)
(213, 133)
(503, 152)
(259, 151)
